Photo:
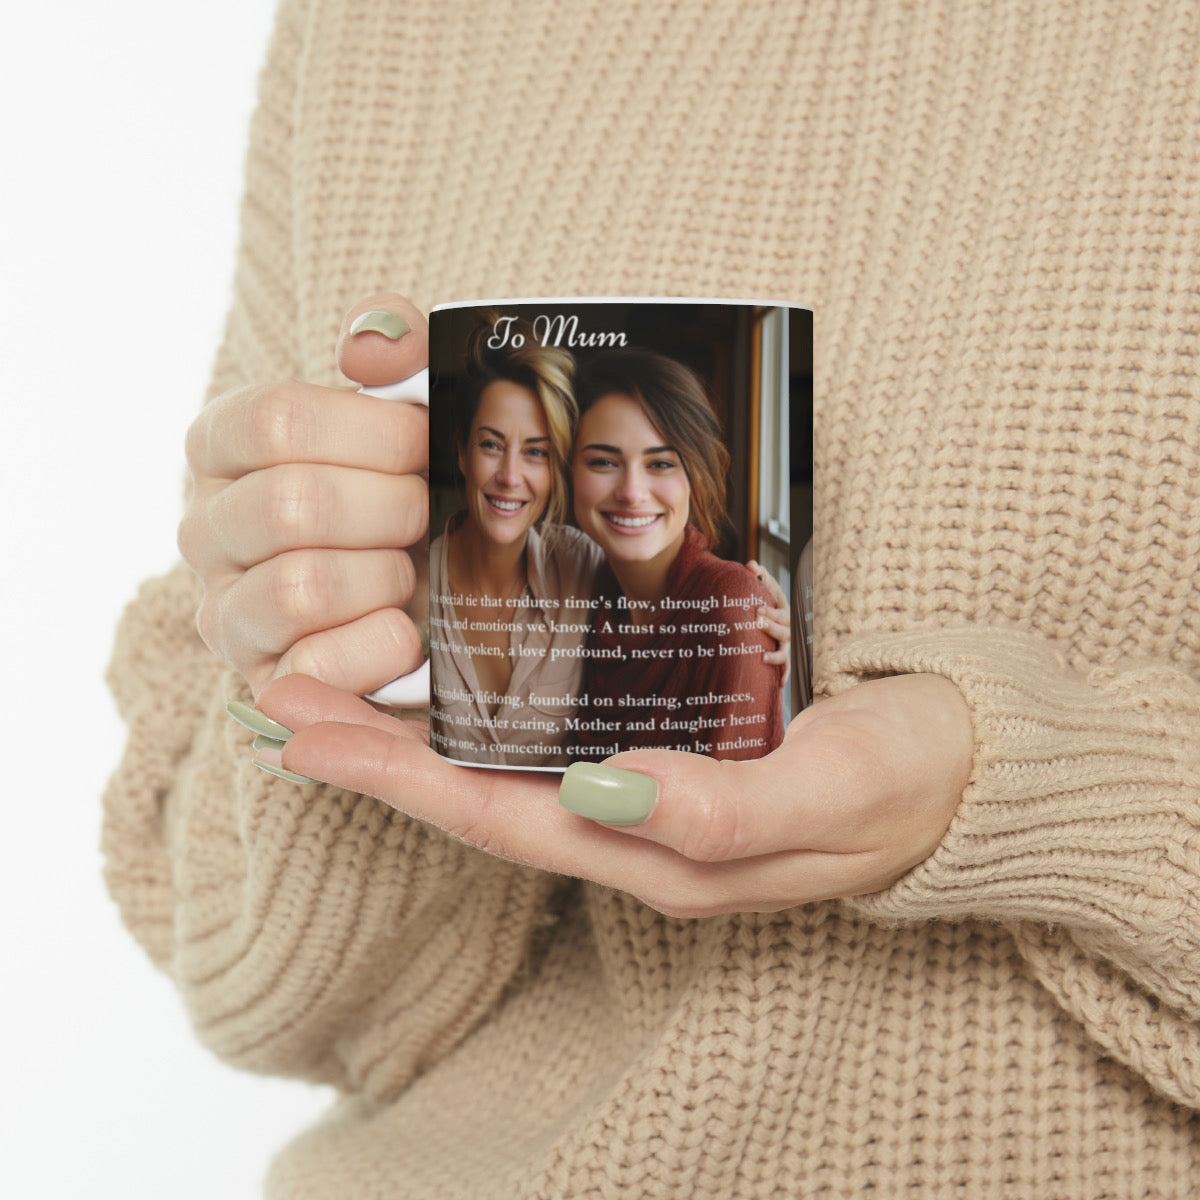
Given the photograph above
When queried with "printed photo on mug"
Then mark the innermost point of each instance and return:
(620, 491)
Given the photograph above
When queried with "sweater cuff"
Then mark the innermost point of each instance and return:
(1084, 800)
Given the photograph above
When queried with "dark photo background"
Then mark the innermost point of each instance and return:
(717, 341)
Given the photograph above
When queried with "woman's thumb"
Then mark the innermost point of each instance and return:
(383, 339)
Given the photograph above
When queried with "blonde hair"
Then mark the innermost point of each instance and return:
(547, 371)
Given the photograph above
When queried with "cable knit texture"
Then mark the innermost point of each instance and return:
(995, 210)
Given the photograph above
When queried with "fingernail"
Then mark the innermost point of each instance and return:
(607, 794)
(379, 320)
(262, 742)
(423, 630)
(283, 773)
(243, 714)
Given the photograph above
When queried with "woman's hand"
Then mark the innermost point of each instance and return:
(776, 619)
(862, 789)
(304, 499)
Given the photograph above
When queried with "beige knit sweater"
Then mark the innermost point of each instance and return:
(995, 210)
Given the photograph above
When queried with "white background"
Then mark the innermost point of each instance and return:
(122, 138)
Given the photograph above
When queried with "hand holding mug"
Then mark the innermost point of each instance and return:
(862, 789)
(308, 513)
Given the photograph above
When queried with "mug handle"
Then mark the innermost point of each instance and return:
(412, 690)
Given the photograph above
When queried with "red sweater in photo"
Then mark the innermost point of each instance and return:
(693, 678)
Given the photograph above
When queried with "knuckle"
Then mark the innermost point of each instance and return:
(397, 640)
(293, 503)
(222, 625)
(475, 828)
(714, 829)
(196, 538)
(195, 444)
(406, 575)
(187, 536)
(208, 624)
(485, 827)
(406, 430)
(277, 426)
(300, 590)
(320, 656)
(480, 836)
(415, 511)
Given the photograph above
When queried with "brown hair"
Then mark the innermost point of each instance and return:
(547, 371)
(677, 405)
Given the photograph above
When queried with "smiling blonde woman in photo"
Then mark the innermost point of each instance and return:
(504, 566)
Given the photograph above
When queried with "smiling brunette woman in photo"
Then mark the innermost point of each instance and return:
(675, 655)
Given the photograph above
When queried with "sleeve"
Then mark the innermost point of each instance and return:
(311, 932)
(1079, 830)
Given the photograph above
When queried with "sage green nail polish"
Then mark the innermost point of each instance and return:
(379, 320)
(243, 714)
(283, 773)
(607, 794)
(262, 742)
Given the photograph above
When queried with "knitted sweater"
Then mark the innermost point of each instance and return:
(995, 211)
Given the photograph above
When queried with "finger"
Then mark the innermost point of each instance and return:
(872, 775)
(510, 814)
(361, 655)
(778, 599)
(513, 815)
(711, 810)
(774, 618)
(705, 809)
(383, 339)
(775, 624)
(348, 743)
(767, 883)
(298, 701)
(252, 428)
(271, 607)
(301, 506)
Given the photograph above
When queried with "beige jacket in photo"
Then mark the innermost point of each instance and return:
(527, 726)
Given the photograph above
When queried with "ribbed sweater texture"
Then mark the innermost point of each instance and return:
(994, 209)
